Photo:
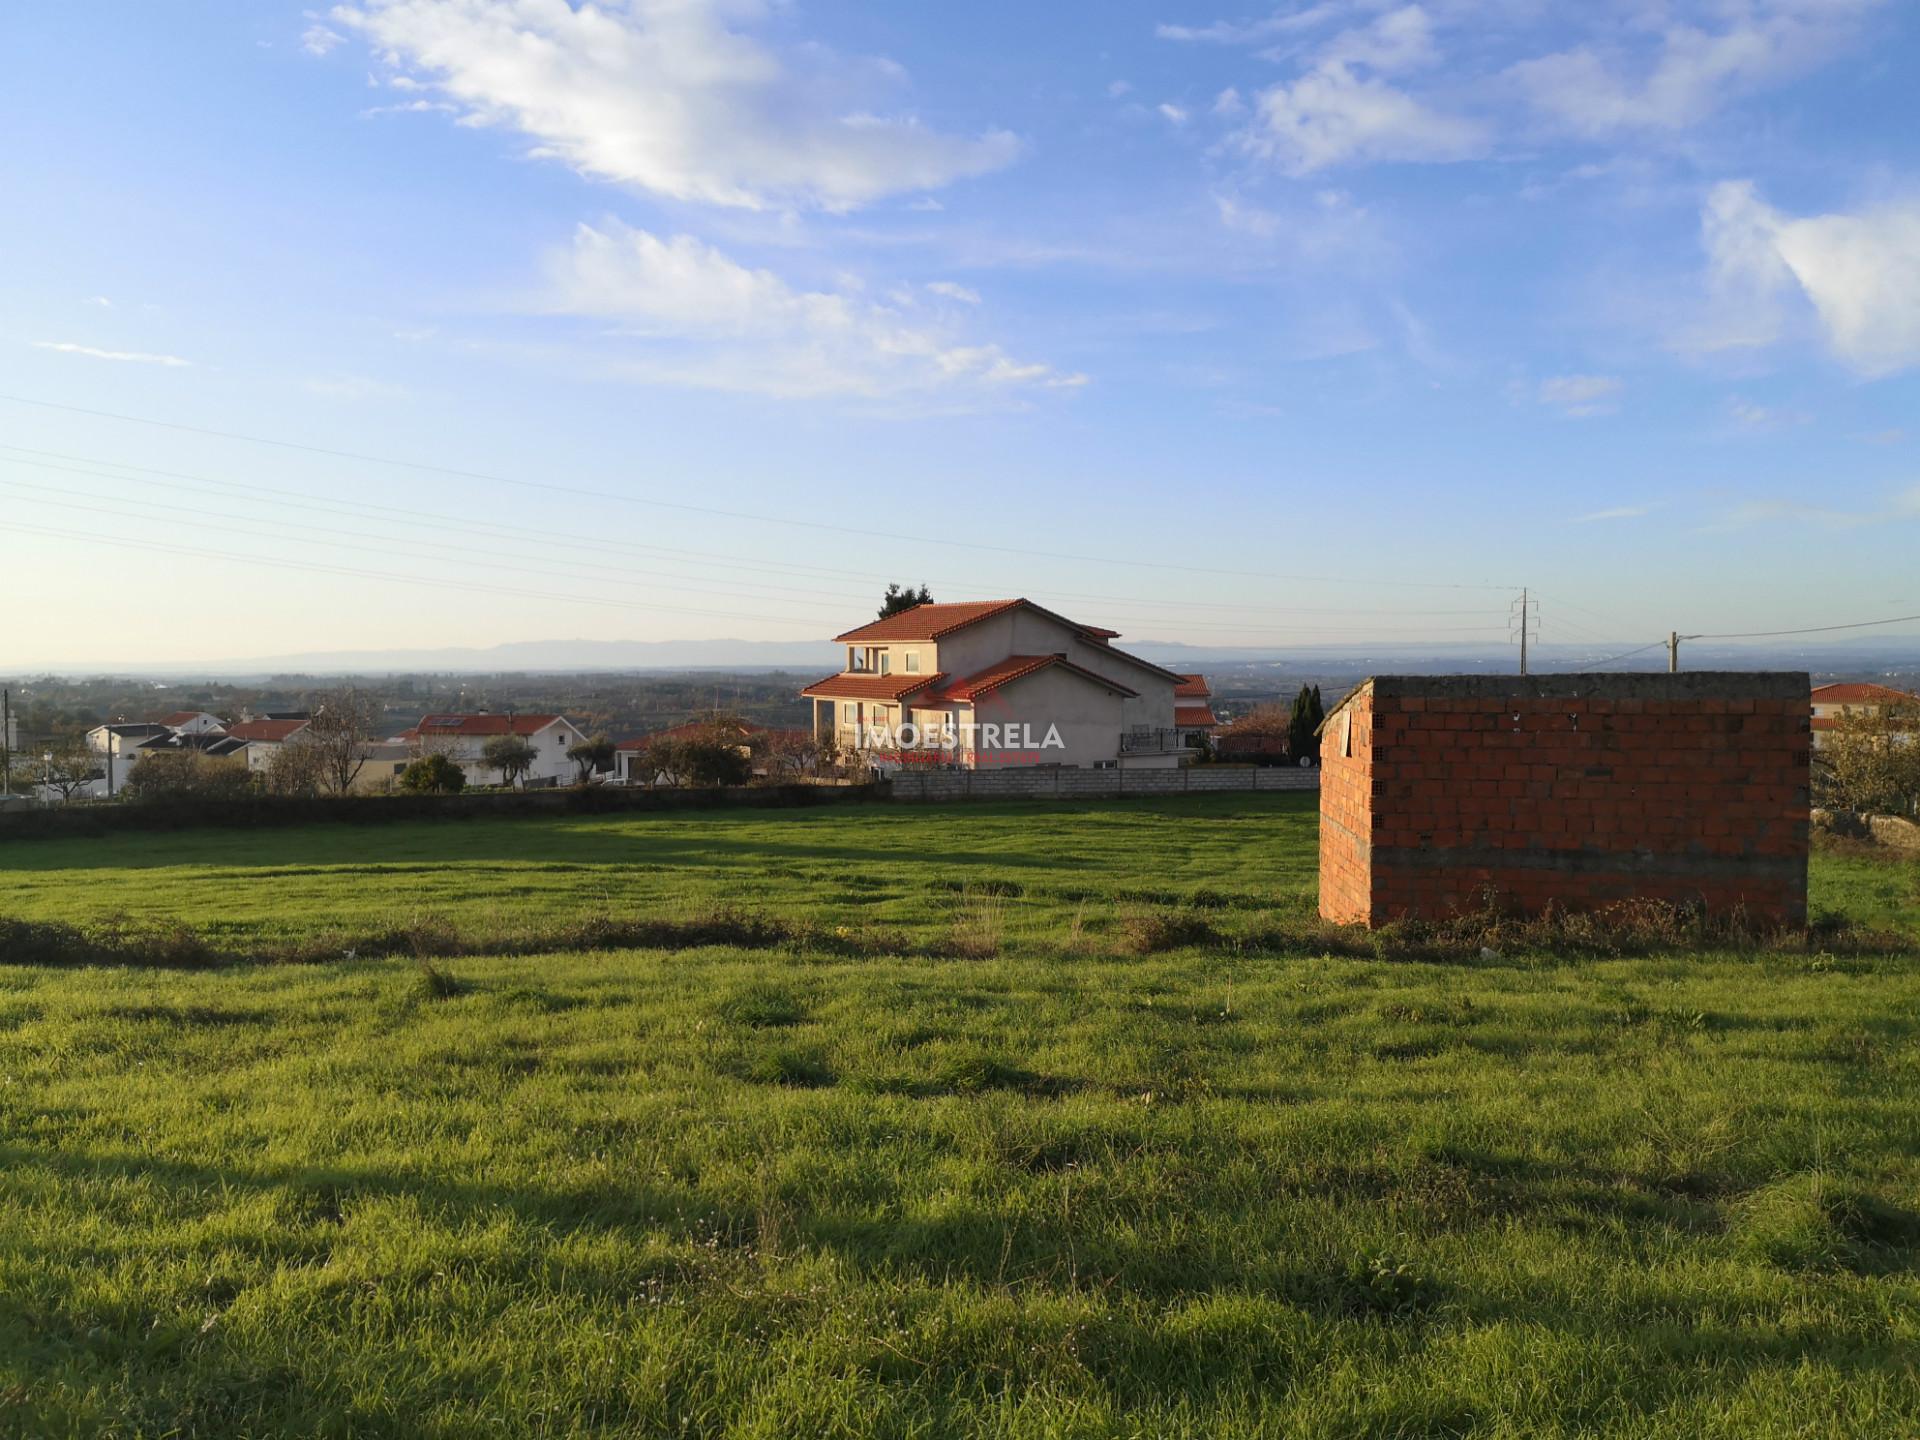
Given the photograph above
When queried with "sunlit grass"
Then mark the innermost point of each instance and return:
(1046, 1185)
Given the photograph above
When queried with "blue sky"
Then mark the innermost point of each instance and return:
(1328, 322)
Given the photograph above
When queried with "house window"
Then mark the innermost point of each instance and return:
(886, 662)
(913, 662)
(850, 713)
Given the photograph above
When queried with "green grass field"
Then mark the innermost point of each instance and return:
(994, 1174)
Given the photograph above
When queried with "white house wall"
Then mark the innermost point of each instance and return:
(1086, 715)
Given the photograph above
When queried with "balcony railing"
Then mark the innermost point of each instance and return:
(1149, 740)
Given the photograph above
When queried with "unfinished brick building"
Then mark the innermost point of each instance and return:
(1438, 792)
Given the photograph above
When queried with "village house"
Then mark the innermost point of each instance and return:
(193, 722)
(1831, 702)
(463, 740)
(1193, 713)
(263, 738)
(993, 683)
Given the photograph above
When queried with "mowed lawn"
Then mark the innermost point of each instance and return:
(1054, 1189)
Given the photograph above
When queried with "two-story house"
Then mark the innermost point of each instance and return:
(1832, 702)
(993, 683)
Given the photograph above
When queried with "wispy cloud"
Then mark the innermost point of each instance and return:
(1748, 415)
(1670, 67)
(318, 40)
(1175, 114)
(1341, 111)
(1617, 512)
(1900, 506)
(687, 314)
(1276, 26)
(1581, 397)
(952, 291)
(667, 96)
(137, 357)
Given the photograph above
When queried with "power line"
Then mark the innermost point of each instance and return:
(608, 495)
(281, 564)
(1623, 655)
(1809, 630)
(420, 519)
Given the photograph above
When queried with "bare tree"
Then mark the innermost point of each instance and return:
(296, 768)
(1870, 760)
(344, 723)
(68, 767)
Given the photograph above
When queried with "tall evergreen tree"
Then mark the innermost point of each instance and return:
(904, 597)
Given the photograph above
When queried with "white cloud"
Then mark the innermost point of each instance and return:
(136, 357)
(1696, 68)
(100, 300)
(1859, 272)
(319, 40)
(668, 96)
(1616, 512)
(954, 292)
(1176, 114)
(1580, 397)
(1331, 116)
(1118, 89)
(712, 323)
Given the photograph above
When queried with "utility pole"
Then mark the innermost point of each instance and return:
(1673, 652)
(1523, 609)
(6, 742)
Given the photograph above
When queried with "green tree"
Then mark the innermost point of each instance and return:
(511, 755)
(1301, 724)
(904, 597)
(589, 756)
(433, 775)
(715, 761)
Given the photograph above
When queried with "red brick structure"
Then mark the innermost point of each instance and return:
(1573, 790)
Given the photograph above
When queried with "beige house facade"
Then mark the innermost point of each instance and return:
(988, 684)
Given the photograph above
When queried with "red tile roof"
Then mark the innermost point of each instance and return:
(271, 731)
(1191, 717)
(481, 725)
(863, 685)
(1016, 667)
(1849, 693)
(930, 622)
(689, 729)
(1191, 687)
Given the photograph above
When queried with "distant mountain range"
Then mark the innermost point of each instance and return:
(1853, 656)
